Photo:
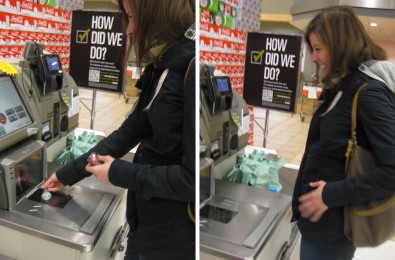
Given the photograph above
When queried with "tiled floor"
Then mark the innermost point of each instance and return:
(287, 135)
(110, 110)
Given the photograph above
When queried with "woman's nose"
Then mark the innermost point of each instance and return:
(314, 58)
(130, 29)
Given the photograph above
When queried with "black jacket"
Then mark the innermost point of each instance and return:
(324, 157)
(161, 179)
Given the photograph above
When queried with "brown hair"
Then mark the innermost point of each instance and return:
(158, 22)
(340, 30)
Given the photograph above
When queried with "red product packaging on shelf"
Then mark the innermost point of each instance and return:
(218, 45)
(66, 39)
(222, 68)
(59, 50)
(15, 51)
(204, 15)
(59, 39)
(49, 38)
(206, 44)
(4, 37)
(59, 15)
(66, 27)
(16, 21)
(203, 56)
(209, 30)
(15, 37)
(12, 6)
(25, 36)
(204, 29)
(224, 58)
(216, 57)
(41, 37)
(50, 49)
(49, 12)
(27, 8)
(33, 36)
(66, 51)
(47, 26)
(225, 33)
(4, 52)
(66, 16)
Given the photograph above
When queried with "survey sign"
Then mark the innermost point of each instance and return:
(97, 50)
(272, 70)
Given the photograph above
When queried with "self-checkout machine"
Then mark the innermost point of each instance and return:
(84, 221)
(52, 92)
(236, 221)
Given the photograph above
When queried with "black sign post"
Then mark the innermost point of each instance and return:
(271, 72)
(97, 51)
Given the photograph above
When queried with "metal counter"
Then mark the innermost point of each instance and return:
(79, 229)
(274, 237)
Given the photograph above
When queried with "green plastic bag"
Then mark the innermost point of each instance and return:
(258, 170)
(77, 146)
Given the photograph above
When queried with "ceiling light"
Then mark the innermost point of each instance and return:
(373, 24)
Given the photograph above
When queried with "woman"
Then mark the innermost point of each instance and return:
(161, 179)
(347, 58)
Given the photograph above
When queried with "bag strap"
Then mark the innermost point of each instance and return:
(191, 205)
(353, 140)
(162, 79)
(376, 210)
(191, 211)
(158, 87)
(187, 71)
(350, 148)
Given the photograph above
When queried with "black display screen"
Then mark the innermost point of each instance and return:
(52, 63)
(223, 84)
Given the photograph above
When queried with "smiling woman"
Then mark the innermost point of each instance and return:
(320, 54)
(348, 58)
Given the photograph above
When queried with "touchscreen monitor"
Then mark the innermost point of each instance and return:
(206, 180)
(205, 184)
(52, 63)
(28, 173)
(13, 113)
(223, 85)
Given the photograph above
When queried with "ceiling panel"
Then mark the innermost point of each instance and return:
(384, 31)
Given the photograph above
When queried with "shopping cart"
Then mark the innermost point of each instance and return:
(309, 101)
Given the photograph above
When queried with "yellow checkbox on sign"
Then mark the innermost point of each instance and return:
(256, 57)
(82, 36)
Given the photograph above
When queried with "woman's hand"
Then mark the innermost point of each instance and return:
(101, 170)
(311, 204)
(52, 184)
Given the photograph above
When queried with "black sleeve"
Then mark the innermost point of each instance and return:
(176, 182)
(117, 144)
